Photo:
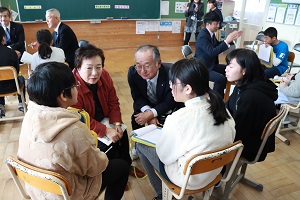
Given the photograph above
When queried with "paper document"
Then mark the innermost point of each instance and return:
(148, 135)
(105, 139)
(26, 58)
(264, 53)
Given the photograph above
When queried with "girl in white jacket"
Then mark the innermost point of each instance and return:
(202, 125)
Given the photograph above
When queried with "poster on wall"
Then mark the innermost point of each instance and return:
(180, 7)
(272, 12)
(297, 22)
(280, 13)
(291, 14)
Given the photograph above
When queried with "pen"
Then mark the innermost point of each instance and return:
(119, 139)
(160, 125)
(108, 149)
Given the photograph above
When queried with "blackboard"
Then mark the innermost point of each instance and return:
(32, 10)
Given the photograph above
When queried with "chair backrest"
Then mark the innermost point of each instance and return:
(228, 90)
(208, 161)
(186, 51)
(260, 36)
(82, 43)
(10, 73)
(270, 128)
(42, 179)
(291, 59)
(167, 64)
(297, 47)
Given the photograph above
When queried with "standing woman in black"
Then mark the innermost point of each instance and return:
(213, 6)
(194, 12)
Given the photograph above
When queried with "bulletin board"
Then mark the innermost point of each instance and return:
(284, 13)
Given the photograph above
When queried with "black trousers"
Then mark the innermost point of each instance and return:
(188, 37)
(119, 150)
(21, 81)
(114, 179)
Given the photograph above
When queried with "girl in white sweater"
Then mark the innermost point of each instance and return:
(202, 125)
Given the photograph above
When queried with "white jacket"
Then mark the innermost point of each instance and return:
(189, 131)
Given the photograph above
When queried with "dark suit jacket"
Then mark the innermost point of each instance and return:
(8, 58)
(67, 41)
(138, 87)
(208, 50)
(17, 37)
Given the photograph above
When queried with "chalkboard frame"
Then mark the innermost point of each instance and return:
(86, 10)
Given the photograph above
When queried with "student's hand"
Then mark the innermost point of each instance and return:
(283, 83)
(153, 121)
(18, 54)
(34, 45)
(266, 44)
(289, 76)
(144, 117)
(113, 135)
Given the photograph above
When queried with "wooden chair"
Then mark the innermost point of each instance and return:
(10, 73)
(42, 179)
(270, 128)
(294, 111)
(187, 51)
(227, 90)
(201, 163)
(291, 59)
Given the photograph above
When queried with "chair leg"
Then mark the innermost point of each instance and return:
(23, 102)
(166, 193)
(257, 186)
(233, 181)
(207, 193)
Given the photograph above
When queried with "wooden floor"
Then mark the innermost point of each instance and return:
(280, 173)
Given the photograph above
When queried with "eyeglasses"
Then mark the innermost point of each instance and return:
(76, 85)
(140, 67)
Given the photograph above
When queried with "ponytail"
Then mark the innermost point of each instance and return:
(45, 50)
(217, 107)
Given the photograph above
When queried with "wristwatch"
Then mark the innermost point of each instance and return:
(117, 123)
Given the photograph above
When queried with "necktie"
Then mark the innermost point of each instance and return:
(7, 36)
(213, 38)
(55, 36)
(151, 92)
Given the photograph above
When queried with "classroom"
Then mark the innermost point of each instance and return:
(118, 28)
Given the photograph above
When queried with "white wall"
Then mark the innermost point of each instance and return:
(287, 33)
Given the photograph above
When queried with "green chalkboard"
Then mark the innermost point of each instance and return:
(31, 10)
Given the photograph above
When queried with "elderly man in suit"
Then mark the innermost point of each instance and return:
(63, 36)
(149, 84)
(14, 32)
(9, 58)
(208, 49)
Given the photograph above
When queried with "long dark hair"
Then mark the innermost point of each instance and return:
(44, 38)
(194, 73)
(249, 61)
